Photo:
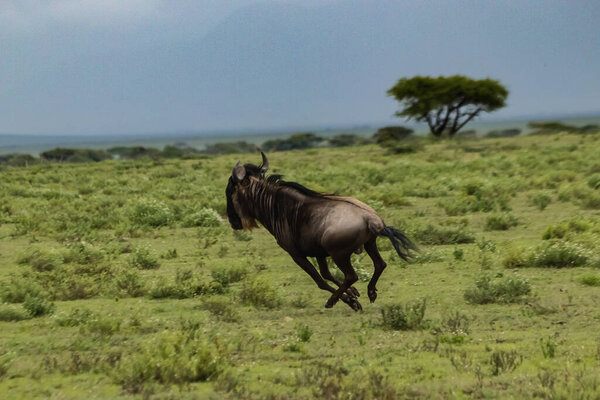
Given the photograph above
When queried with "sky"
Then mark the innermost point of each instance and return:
(111, 67)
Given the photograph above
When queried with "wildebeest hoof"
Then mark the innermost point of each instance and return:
(330, 303)
(352, 292)
(351, 301)
(372, 295)
(354, 304)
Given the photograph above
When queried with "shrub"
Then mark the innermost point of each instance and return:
(541, 201)
(222, 309)
(345, 140)
(186, 285)
(225, 276)
(40, 260)
(78, 316)
(149, 212)
(392, 134)
(404, 317)
(559, 255)
(304, 333)
(143, 258)
(503, 133)
(130, 283)
(38, 306)
(505, 361)
(101, 325)
(205, 217)
(503, 290)
(230, 148)
(83, 253)
(172, 358)
(10, 314)
(5, 363)
(438, 235)
(562, 229)
(501, 222)
(590, 280)
(18, 288)
(295, 141)
(260, 293)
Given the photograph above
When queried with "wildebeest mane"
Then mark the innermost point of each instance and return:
(276, 179)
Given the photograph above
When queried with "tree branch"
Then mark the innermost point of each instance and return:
(470, 117)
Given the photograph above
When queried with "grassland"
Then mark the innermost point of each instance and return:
(121, 280)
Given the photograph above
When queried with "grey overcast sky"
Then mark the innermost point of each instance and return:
(150, 66)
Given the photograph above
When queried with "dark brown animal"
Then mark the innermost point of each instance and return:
(311, 224)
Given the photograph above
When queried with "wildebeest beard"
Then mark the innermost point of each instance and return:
(234, 219)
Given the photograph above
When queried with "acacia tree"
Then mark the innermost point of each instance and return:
(447, 103)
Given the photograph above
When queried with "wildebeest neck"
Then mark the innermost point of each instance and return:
(276, 204)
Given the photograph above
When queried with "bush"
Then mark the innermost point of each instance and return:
(205, 217)
(230, 148)
(562, 229)
(412, 146)
(501, 222)
(541, 201)
(172, 358)
(74, 155)
(505, 361)
(18, 288)
(151, 213)
(222, 309)
(295, 141)
(130, 283)
(10, 314)
(404, 317)
(345, 140)
(503, 133)
(83, 253)
(392, 134)
(78, 316)
(226, 276)
(260, 293)
(439, 235)
(38, 306)
(503, 290)
(559, 255)
(40, 260)
(186, 285)
(304, 333)
(590, 280)
(143, 258)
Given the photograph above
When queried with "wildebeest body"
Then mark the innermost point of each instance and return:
(306, 223)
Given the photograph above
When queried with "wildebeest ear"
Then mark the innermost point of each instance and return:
(264, 167)
(239, 172)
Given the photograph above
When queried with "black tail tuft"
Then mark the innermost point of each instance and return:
(401, 243)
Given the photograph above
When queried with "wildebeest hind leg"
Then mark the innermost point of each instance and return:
(350, 277)
(326, 273)
(373, 252)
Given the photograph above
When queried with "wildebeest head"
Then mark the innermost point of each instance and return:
(237, 211)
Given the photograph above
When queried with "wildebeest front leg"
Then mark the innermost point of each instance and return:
(325, 273)
(312, 271)
(350, 277)
(379, 264)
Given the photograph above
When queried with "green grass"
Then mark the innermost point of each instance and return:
(123, 279)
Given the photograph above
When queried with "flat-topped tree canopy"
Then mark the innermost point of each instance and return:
(447, 103)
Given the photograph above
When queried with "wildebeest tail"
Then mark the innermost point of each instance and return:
(401, 243)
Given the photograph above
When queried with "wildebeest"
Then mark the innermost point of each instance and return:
(311, 224)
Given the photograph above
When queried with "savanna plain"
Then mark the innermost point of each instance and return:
(123, 279)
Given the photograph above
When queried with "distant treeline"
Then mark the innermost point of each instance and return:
(398, 139)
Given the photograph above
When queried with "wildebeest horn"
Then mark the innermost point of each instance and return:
(265, 163)
(239, 172)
